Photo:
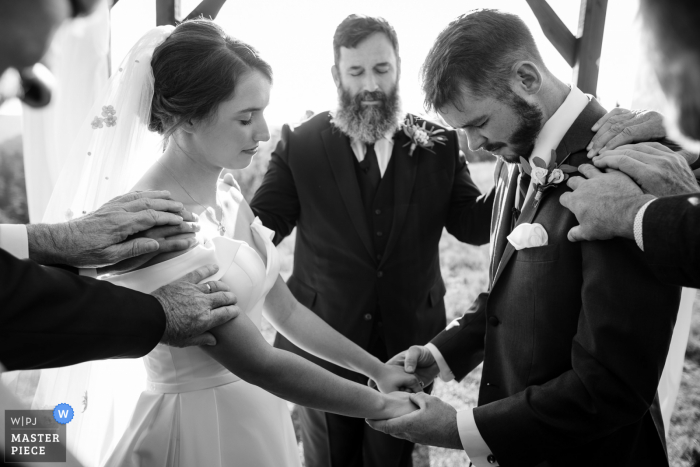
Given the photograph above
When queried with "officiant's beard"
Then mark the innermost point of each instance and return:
(522, 141)
(368, 123)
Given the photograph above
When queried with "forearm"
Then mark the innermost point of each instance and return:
(242, 349)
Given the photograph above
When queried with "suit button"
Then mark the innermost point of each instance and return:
(379, 234)
(494, 321)
(380, 274)
(491, 459)
(377, 211)
(368, 317)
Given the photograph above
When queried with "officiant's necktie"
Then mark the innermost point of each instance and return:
(370, 167)
(523, 185)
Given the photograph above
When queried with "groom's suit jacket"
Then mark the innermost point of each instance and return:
(311, 183)
(50, 317)
(573, 337)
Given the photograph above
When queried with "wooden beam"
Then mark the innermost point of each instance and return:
(166, 12)
(590, 44)
(207, 8)
(555, 30)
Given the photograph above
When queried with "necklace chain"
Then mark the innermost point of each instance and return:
(222, 228)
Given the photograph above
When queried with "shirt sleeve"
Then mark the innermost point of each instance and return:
(13, 239)
(474, 445)
(445, 372)
(638, 222)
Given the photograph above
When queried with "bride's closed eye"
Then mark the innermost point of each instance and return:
(247, 122)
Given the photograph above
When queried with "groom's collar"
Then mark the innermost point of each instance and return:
(558, 125)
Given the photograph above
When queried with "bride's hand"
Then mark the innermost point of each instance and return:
(394, 378)
(397, 404)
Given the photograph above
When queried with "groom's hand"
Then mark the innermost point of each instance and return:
(433, 424)
(111, 234)
(417, 361)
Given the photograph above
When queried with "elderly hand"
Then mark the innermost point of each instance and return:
(192, 309)
(434, 423)
(605, 204)
(657, 169)
(110, 234)
(416, 360)
(621, 126)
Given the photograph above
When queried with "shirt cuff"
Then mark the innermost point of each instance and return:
(445, 372)
(638, 221)
(474, 445)
(14, 240)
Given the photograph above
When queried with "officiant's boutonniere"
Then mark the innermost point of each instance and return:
(421, 136)
(545, 177)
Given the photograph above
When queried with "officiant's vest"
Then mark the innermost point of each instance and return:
(379, 205)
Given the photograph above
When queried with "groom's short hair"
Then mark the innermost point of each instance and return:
(477, 50)
(356, 28)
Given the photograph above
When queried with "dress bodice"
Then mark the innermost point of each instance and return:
(171, 369)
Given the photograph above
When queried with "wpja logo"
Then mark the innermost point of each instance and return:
(36, 435)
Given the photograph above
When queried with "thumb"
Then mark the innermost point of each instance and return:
(411, 361)
(419, 399)
(575, 234)
(205, 338)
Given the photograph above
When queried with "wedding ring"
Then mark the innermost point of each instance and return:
(420, 382)
(208, 287)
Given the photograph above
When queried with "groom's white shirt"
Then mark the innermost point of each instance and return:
(549, 138)
(13, 239)
(382, 148)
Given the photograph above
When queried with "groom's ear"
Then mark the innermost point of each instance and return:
(336, 75)
(528, 77)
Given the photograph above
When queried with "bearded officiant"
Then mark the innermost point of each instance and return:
(370, 200)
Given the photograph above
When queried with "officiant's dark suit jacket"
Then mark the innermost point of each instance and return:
(311, 183)
(51, 317)
(573, 337)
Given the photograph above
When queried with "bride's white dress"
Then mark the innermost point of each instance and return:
(194, 411)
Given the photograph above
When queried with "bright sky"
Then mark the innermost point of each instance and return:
(295, 37)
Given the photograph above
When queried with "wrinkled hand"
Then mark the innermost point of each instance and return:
(605, 204)
(170, 238)
(621, 126)
(108, 235)
(191, 309)
(434, 423)
(656, 168)
(394, 378)
(397, 404)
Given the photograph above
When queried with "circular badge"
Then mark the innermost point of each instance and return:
(63, 413)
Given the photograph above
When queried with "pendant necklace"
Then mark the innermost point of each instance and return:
(220, 225)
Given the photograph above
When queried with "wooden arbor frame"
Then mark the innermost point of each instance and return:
(581, 52)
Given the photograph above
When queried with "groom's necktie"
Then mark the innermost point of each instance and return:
(523, 185)
(370, 167)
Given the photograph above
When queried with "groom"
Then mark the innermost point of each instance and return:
(573, 336)
(369, 212)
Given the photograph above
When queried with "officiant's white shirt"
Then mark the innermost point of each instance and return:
(549, 138)
(13, 239)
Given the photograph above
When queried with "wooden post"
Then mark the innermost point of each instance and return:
(589, 44)
(166, 11)
(207, 8)
(555, 30)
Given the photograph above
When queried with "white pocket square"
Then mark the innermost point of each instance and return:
(528, 236)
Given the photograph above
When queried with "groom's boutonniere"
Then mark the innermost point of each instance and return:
(545, 177)
(421, 136)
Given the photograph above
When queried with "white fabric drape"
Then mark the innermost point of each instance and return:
(79, 61)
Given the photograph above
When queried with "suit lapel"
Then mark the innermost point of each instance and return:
(405, 169)
(340, 158)
(507, 183)
(575, 140)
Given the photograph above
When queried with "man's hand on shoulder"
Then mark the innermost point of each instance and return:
(192, 309)
(605, 204)
(123, 233)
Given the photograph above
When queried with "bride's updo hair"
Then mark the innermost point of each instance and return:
(195, 69)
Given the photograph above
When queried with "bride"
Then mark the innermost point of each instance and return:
(205, 93)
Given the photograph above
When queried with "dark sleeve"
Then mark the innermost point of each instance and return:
(276, 202)
(469, 217)
(50, 317)
(617, 356)
(671, 236)
(462, 342)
